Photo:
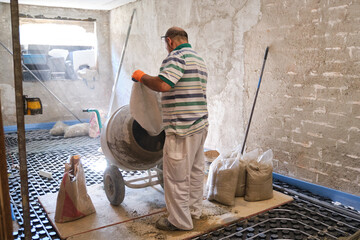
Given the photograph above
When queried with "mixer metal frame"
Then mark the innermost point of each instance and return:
(133, 183)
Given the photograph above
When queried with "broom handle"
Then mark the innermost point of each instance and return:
(253, 107)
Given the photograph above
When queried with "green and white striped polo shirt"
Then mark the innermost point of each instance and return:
(184, 107)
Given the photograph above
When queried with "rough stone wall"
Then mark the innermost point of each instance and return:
(75, 94)
(308, 106)
(308, 110)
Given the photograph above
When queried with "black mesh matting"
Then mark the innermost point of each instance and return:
(300, 219)
(307, 217)
(49, 153)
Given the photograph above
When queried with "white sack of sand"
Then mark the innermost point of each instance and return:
(259, 178)
(244, 160)
(222, 174)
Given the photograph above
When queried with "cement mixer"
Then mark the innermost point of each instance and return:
(126, 145)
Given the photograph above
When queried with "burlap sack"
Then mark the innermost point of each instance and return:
(145, 108)
(222, 175)
(258, 182)
(241, 183)
(73, 202)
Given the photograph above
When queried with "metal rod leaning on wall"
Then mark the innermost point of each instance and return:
(42, 84)
(119, 69)
(20, 117)
(253, 107)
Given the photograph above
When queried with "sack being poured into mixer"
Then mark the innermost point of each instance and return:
(145, 108)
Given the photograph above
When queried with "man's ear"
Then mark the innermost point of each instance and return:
(169, 41)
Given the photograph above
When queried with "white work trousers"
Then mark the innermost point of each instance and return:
(183, 172)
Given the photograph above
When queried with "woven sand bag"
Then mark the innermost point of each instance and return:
(221, 180)
(247, 157)
(258, 182)
(241, 183)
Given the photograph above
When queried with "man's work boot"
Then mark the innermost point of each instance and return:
(164, 224)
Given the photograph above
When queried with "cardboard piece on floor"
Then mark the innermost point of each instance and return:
(137, 203)
(135, 218)
(214, 216)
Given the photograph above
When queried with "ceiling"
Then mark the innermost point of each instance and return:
(83, 4)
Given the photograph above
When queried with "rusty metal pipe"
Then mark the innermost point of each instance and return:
(20, 117)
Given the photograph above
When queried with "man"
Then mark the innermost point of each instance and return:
(182, 81)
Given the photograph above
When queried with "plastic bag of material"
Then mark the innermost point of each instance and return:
(220, 184)
(58, 129)
(77, 130)
(236, 153)
(210, 183)
(252, 156)
(73, 201)
(241, 183)
(145, 108)
(243, 161)
(259, 178)
(94, 129)
(266, 158)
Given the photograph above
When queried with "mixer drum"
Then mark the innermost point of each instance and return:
(127, 145)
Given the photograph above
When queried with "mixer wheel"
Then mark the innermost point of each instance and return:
(114, 185)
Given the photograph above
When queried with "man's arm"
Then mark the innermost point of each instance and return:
(155, 83)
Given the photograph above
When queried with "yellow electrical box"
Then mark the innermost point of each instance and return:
(32, 106)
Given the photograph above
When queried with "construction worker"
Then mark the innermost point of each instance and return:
(182, 81)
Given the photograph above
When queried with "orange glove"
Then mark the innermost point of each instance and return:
(137, 75)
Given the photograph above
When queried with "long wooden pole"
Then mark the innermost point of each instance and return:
(6, 222)
(18, 78)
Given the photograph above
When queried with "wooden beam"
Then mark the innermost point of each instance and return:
(6, 230)
(20, 117)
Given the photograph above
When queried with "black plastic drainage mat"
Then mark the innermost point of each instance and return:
(297, 220)
(49, 153)
(307, 217)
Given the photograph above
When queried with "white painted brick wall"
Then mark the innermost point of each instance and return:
(313, 71)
